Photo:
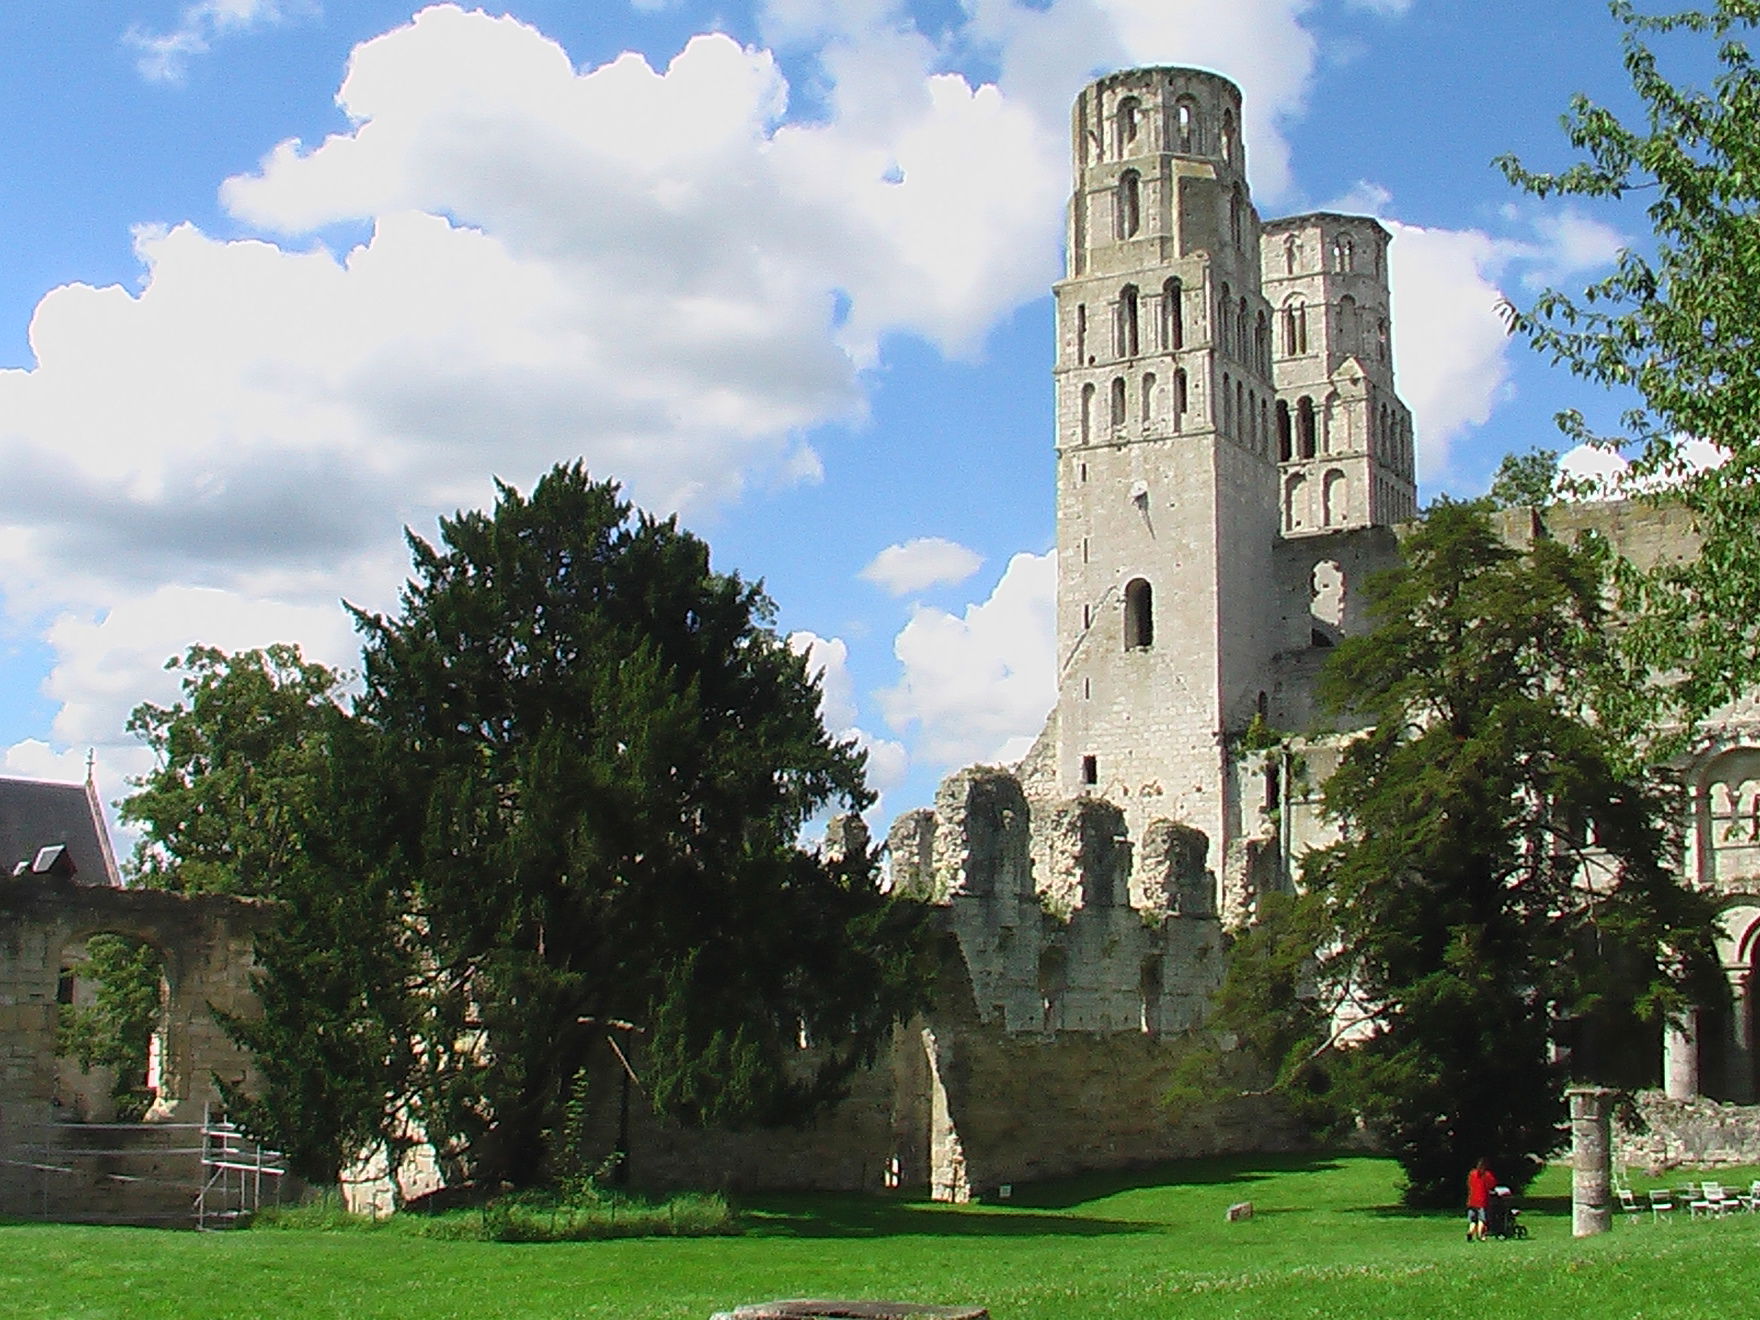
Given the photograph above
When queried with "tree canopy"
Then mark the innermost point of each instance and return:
(570, 794)
(1501, 888)
(1675, 322)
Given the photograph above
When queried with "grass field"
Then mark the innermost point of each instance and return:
(1328, 1241)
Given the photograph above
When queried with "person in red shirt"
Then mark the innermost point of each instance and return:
(1480, 1181)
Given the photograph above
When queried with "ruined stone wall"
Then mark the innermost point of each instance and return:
(1697, 1133)
(205, 941)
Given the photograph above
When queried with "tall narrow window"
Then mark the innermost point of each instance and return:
(1243, 327)
(1227, 403)
(1344, 255)
(1081, 334)
(1173, 328)
(1289, 254)
(1128, 119)
(1118, 401)
(1129, 204)
(1228, 135)
(1179, 397)
(1087, 412)
(1090, 771)
(1126, 337)
(1148, 396)
(1139, 615)
(1295, 328)
(1185, 116)
(1224, 321)
(1243, 420)
(1305, 427)
(1284, 448)
(1262, 345)
(1348, 339)
(1237, 218)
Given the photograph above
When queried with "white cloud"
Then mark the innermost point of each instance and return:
(927, 561)
(828, 661)
(1592, 472)
(1452, 348)
(165, 56)
(1451, 345)
(977, 686)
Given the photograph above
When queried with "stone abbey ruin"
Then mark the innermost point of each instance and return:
(1232, 459)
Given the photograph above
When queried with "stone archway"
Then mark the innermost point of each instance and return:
(206, 945)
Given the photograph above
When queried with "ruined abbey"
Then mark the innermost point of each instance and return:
(1232, 460)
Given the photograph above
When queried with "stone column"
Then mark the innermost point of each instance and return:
(1680, 1057)
(1591, 1159)
(1739, 1066)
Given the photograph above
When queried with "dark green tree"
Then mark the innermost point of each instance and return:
(1526, 480)
(1503, 871)
(594, 759)
(226, 805)
(1675, 323)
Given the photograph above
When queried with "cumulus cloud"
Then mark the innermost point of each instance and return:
(828, 661)
(927, 561)
(165, 56)
(976, 686)
(1452, 348)
(503, 260)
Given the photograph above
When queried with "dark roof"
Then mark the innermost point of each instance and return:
(36, 815)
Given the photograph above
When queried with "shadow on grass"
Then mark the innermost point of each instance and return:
(861, 1218)
(1064, 1193)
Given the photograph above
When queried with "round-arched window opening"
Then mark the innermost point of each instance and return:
(1139, 615)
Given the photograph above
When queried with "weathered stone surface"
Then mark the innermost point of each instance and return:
(1699, 1132)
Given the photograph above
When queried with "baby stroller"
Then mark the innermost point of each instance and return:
(1502, 1217)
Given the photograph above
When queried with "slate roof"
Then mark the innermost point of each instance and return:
(36, 814)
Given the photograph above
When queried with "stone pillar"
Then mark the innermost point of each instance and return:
(1591, 1159)
(1680, 1057)
(1738, 1078)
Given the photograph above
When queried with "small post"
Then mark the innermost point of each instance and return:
(1591, 1159)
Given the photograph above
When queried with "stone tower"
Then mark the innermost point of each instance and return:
(1344, 440)
(1167, 513)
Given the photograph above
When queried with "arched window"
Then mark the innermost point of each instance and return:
(1284, 450)
(1243, 419)
(1186, 127)
(1148, 396)
(1289, 254)
(1381, 339)
(1126, 340)
(1139, 615)
(1344, 255)
(1118, 398)
(1243, 328)
(1237, 218)
(1127, 119)
(1262, 345)
(1295, 502)
(1305, 427)
(1087, 412)
(1179, 397)
(1295, 328)
(1228, 135)
(1348, 340)
(1335, 499)
(1129, 218)
(1224, 328)
(1173, 327)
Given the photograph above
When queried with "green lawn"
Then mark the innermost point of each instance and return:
(1328, 1241)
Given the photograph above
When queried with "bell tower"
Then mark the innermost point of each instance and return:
(1167, 478)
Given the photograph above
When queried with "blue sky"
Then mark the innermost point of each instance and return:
(278, 277)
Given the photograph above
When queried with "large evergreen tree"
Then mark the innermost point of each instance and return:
(1503, 875)
(1675, 325)
(571, 796)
